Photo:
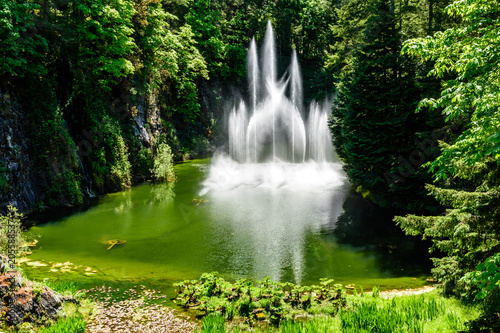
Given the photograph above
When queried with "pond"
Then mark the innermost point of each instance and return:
(172, 233)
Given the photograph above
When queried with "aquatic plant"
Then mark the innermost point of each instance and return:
(262, 300)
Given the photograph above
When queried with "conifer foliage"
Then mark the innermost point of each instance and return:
(373, 121)
(467, 173)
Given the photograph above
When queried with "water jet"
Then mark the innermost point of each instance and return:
(272, 140)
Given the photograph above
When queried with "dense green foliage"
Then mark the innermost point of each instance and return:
(265, 299)
(102, 83)
(451, 142)
(112, 92)
(269, 306)
(486, 277)
(376, 131)
(373, 122)
(467, 170)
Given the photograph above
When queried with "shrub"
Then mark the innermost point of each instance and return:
(163, 169)
(110, 160)
(7, 222)
(142, 163)
(486, 278)
(65, 186)
(264, 299)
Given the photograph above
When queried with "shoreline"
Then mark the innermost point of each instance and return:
(388, 294)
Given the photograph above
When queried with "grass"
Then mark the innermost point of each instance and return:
(421, 313)
(75, 324)
(213, 323)
(402, 314)
(63, 287)
(72, 318)
(314, 325)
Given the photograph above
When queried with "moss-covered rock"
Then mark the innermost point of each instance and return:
(26, 301)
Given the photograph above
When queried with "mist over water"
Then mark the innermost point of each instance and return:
(279, 181)
(226, 174)
(266, 230)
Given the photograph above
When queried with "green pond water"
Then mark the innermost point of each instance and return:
(294, 236)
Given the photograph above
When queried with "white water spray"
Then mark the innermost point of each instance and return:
(253, 79)
(268, 137)
(296, 94)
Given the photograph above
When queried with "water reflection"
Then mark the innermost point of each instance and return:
(302, 236)
(369, 227)
(287, 232)
(163, 194)
(262, 232)
(123, 201)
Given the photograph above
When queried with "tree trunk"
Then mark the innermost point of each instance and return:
(431, 16)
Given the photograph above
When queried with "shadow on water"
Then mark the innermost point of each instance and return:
(160, 193)
(371, 228)
(58, 214)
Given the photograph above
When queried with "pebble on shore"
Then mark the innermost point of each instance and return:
(134, 314)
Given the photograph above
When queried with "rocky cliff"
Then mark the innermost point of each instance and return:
(33, 179)
(62, 152)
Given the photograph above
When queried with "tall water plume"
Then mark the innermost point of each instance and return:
(271, 127)
(253, 80)
(295, 92)
(319, 140)
(268, 56)
(270, 143)
(280, 172)
(237, 130)
(296, 83)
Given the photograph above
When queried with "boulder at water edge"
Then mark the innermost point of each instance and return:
(25, 302)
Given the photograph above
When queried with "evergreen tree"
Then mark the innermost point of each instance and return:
(373, 122)
(347, 33)
(467, 173)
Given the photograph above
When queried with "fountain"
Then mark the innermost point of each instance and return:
(272, 140)
(274, 200)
